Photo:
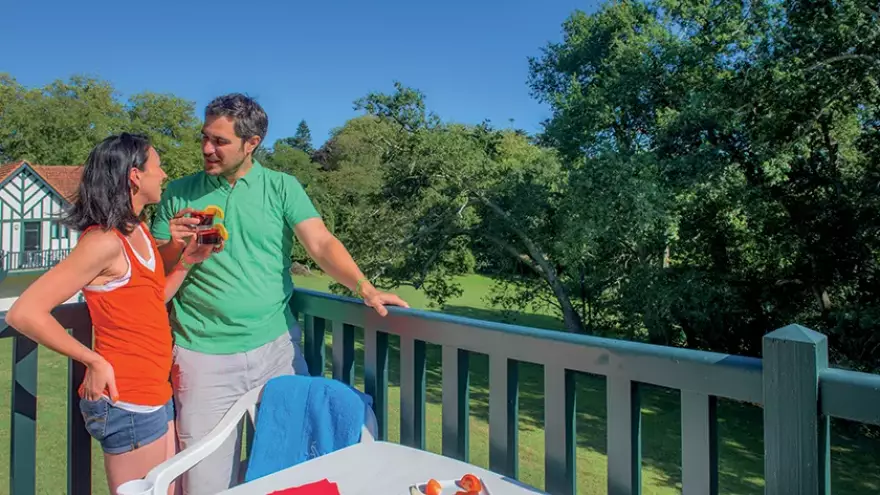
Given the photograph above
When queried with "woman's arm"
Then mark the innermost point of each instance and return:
(174, 280)
(192, 253)
(31, 314)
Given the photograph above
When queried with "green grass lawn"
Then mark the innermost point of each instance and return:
(854, 457)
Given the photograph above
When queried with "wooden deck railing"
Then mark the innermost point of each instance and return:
(797, 389)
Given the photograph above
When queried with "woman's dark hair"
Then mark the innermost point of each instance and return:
(104, 196)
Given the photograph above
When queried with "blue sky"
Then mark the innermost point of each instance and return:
(302, 59)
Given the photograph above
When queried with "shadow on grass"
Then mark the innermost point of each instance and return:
(740, 425)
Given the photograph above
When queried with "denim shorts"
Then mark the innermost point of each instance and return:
(120, 431)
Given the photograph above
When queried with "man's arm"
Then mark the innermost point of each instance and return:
(330, 254)
(326, 250)
(334, 259)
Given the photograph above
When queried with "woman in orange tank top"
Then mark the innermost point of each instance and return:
(126, 394)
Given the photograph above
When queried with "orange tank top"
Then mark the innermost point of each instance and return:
(131, 327)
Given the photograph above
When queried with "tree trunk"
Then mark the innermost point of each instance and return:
(569, 316)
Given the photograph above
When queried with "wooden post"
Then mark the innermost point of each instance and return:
(456, 403)
(23, 434)
(796, 450)
(504, 415)
(79, 442)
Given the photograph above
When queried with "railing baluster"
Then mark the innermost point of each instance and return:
(23, 461)
(376, 376)
(314, 345)
(796, 449)
(343, 352)
(503, 415)
(624, 436)
(79, 442)
(699, 444)
(412, 392)
(456, 405)
(559, 430)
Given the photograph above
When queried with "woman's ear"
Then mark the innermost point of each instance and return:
(134, 178)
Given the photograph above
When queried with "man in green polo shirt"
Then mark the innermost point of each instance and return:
(233, 329)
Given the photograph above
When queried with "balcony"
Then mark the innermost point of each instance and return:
(797, 390)
(28, 261)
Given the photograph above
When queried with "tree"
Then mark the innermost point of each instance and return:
(448, 189)
(60, 123)
(302, 140)
(731, 151)
(173, 129)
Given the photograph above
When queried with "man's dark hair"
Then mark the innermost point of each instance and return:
(249, 117)
(104, 196)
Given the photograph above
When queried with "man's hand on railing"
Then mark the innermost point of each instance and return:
(377, 299)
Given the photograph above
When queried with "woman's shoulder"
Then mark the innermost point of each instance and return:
(100, 241)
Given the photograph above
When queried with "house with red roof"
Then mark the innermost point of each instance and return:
(32, 238)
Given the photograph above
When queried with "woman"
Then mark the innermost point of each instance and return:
(126, 394)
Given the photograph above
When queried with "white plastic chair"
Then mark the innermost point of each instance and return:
(161, 476)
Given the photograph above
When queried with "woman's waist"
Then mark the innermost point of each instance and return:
(139, 323)
(141, 395)
(129, 343)
(137, 358)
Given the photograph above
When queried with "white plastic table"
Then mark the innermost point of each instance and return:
(379, 468)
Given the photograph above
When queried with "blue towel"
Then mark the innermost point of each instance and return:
(302, 417)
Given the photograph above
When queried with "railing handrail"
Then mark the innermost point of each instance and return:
(738, 377)
(624, 346)
(793, 382)
(845, 394)
(851, 395)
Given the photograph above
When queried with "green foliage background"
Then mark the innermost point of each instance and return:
(709, 173)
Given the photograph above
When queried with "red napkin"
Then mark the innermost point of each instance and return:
(323, 487)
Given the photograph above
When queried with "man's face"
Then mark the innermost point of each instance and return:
(224, 152)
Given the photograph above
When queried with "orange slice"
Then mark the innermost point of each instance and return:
(221, 231)
(471, 483)
(214, 210)
(433, 487)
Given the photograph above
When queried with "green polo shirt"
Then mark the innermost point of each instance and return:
(236, 300)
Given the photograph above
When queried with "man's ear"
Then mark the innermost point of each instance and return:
(251, 144)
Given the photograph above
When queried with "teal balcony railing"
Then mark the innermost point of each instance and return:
(799, 393)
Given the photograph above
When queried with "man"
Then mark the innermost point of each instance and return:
(233, 329)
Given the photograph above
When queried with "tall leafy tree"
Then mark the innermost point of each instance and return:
(60, 123)
(739, 141)
(302, 140)
(449, 188)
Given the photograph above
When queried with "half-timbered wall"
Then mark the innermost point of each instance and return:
(28, 204)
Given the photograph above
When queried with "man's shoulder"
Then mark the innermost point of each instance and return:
(280, 177)
(185, 184)
(284, 184)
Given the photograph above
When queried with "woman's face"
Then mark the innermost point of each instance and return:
(149, 180)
